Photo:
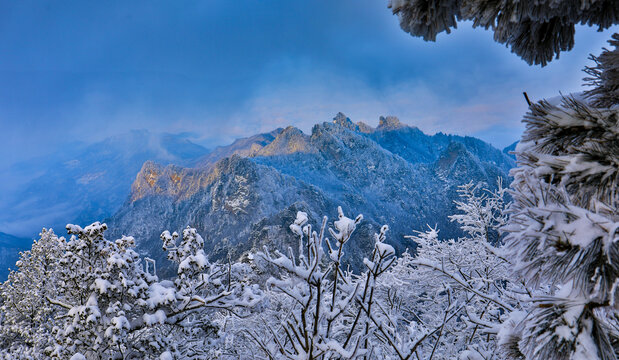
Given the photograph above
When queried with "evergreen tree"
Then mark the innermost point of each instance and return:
(27, 316)
(563, 233)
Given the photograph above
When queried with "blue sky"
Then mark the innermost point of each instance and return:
(82, 70)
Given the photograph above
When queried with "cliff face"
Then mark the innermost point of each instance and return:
(172, 181)
(393, 175)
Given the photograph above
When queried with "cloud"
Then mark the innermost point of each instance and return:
(309, 95)
(82, 73)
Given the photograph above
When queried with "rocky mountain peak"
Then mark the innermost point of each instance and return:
(289, 141)
(389, 123)
(365, 128)
(344, 121)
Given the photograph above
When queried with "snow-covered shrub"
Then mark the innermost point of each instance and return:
(317, 309)
(446, 301)
(201, 291)
(482, 211)
(100, 296)
(451, 296)
(27, 316)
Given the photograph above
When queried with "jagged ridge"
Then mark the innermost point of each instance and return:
(393, 174)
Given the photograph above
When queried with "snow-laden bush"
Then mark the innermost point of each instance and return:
(27, 316)
(446, 301)
(96, 299)
(456, 292)
(323, 311)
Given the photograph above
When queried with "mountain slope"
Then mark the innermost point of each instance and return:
(509, 149)
(393, 175)
(10, 246)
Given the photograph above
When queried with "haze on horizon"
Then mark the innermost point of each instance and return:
(76, 71)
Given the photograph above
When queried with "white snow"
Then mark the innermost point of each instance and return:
(158, 317)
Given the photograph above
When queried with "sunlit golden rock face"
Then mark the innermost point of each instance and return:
(389, 123)
(182, 183)
(290, 140)
(171, 180)
(365, 128)
(151, 176)
(176, 179)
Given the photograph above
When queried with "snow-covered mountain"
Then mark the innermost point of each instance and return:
(243, 196)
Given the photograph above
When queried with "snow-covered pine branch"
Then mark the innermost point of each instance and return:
(604, 76)
(535, 30)
(563, 234)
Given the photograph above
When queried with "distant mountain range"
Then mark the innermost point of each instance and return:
(243, 196)
(80, 184)
(85, 183)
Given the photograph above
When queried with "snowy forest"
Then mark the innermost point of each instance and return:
(535, 275)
